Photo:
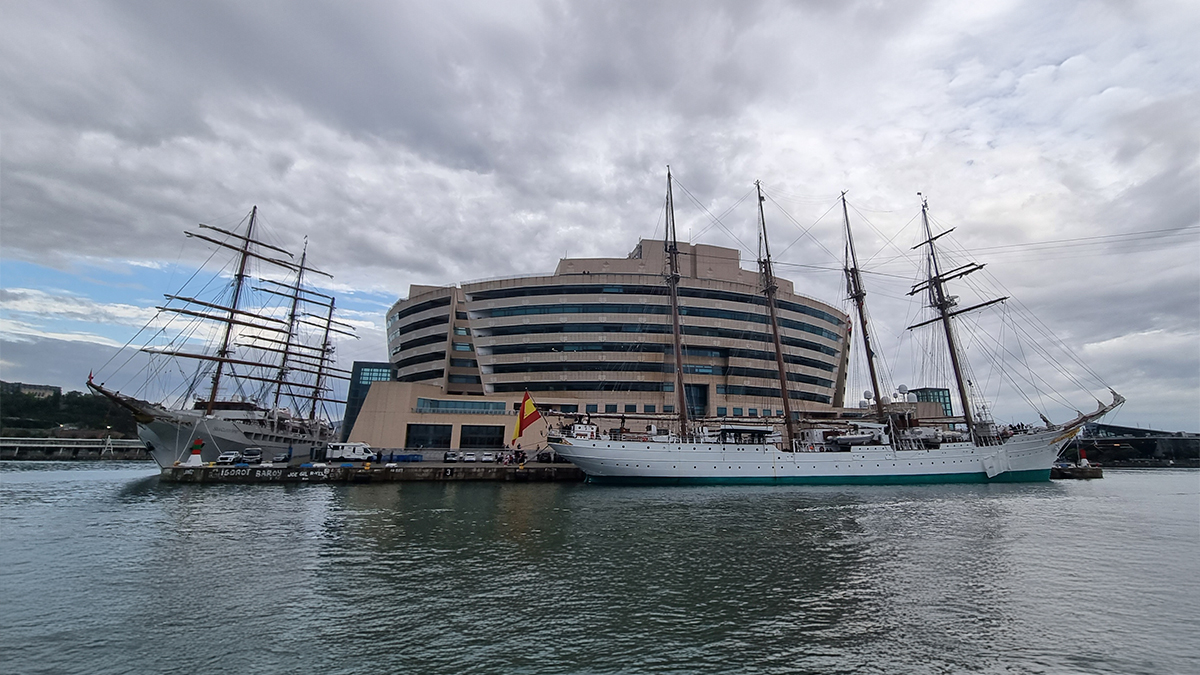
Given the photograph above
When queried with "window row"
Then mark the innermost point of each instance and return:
(652, 328)
(664, 387)
(655, 348)
(640, 289)
(418, 308)
(661, 310)
(642, 367)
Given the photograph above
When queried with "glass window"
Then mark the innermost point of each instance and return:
(464, 363)
(462, 346)
(737, 412)
(465, 379)
(461, 316)
(610, 407)
(648, 408)
(779, 413)
(668, 408)
(631, 407)
(427, 436)
(592, 407)
(481, 436)
(461, 330)
(754, 412)
(721, 411)
(570, 408)
(426, 404)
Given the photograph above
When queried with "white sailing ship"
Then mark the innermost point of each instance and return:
(892, 447)
(264, 383)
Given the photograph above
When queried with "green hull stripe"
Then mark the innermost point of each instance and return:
(1030, 476)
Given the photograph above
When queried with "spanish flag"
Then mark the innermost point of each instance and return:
(528, 414)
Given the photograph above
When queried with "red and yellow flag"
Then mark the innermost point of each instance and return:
(528, 414)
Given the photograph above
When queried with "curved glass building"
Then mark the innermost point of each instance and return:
(596, 337)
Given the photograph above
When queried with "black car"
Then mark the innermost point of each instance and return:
(450, 457)
(252, 455)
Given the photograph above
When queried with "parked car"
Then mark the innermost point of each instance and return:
(252, 455)
(468, 457)
(229, 458)
(450, 457)
(487, 457)
(281, 458)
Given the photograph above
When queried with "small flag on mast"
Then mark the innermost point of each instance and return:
(528, 414)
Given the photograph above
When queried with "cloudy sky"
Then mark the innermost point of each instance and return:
(435, 142)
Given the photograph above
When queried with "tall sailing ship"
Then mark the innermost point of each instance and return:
(265, 379)
(890, 445)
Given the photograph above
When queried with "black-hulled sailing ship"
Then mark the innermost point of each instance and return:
(264, 380)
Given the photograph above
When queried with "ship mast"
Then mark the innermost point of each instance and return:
(239, 280)
(769, 289)
(673, 276)
(292, 316)
(945, 306)
(855, 287)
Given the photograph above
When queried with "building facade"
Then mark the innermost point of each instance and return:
(596, 337)
(362, 375)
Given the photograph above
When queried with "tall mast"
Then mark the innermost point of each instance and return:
(942, 303)
(769, 288)
(291, 334)
(326, 348)
(672, 247)
(239, 280)
(855, 287)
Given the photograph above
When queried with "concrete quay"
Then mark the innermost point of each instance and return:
(376, 473)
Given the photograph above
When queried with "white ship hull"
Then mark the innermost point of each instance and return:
(170, 436)
(1026, 457)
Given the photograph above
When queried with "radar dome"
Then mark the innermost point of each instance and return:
(868, 395)
(903, 389)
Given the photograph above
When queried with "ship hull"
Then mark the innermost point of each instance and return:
(170, 438)
(1026, 458)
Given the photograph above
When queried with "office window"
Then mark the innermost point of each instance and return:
(610, 407)
(754, 412)
(461, 316)
(779, 413)
(570, 408)
(592, 407)
(630, 407)
(668, 408)
(737, 412)
(462, 346)
(461, 330)
(721, 411)
(648, 408)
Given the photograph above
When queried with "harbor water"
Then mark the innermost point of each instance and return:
(104, 569)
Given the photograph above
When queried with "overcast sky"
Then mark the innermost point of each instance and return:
(436, 142)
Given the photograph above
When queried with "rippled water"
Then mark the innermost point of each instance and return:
(105, 570)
